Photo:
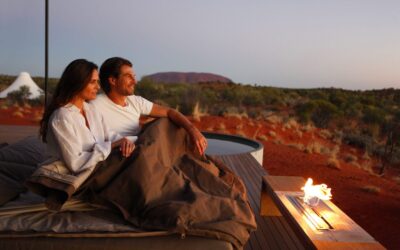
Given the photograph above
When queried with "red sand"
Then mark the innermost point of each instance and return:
(377, 212)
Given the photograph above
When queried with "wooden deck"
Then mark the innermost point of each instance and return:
(330, 228)
(273, 232)
(12, 133)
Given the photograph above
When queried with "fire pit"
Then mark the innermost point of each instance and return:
(314, 218)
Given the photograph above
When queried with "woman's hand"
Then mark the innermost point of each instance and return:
(199, 140)
(125, 146)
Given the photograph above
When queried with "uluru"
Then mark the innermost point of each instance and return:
(186, 77)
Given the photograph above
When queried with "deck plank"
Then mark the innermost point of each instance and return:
(13, 133)
(272, 232)
(265, 236)
(278, 222)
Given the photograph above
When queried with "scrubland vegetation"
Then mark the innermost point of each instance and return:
(366, 119)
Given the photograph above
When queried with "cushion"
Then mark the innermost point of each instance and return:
(29, 151)
(12, 178)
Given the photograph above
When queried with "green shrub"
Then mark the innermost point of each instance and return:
(19, 96)
(373, 115)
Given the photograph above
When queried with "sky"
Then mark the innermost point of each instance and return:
(351, 44)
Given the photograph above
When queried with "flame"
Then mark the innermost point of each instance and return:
(312, 193)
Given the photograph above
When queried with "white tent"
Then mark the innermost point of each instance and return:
(23, 79)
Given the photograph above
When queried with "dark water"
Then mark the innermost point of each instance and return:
(224, 147)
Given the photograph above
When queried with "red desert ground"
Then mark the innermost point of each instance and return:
(293, 149)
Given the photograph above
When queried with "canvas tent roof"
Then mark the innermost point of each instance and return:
(23, 79)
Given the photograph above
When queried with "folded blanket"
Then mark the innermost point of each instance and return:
(56, 182)
(165, 186)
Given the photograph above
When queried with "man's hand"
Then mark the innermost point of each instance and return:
(199, 140)
(176, 117)
(125, 146)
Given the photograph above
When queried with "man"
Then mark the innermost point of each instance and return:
(122, 110)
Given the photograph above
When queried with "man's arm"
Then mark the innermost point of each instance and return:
(176, 117)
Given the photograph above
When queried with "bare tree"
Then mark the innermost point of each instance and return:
(393, 140)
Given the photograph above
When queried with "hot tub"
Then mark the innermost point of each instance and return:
(223, 144)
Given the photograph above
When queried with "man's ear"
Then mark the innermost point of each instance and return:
(112, 80)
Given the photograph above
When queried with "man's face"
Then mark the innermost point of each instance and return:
(125, 83)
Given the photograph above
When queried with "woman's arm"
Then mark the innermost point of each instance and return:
(125, 146)
(71, 147)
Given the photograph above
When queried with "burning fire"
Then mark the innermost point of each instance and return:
(314, 193)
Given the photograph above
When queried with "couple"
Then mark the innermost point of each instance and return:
(163, 181)
(83, 134)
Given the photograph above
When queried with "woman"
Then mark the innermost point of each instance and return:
(74, 131)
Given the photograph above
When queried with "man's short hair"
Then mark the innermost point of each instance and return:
(111, 68)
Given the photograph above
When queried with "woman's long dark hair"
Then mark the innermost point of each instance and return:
(74, 79)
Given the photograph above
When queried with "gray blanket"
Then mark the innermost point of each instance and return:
(164, 186)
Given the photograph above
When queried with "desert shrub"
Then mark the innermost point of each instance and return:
(196, 112)
(298, 133)
(291, 124)
(337, 137)
(372, 130)
(221, 127)
(350, 158)
(233, 112)
(19, 96)
(262, 138)
(360, 141)
(334, 163)
(51, 83)
(4, 105)
(337, 98)
(307, 127)
(253, 112)
(373, 115)
(264, 114)
(368, 99)
(297, 146)
(371, 189)
(208, 98)
(325, 150)
(18, 114)
(304, 111)
(320, 112)
(239, 126)
(149, 90)
(240, 133)
(39, 101)
(326, 134)
(233, 96)
(323, 113)
(353, 109)
(366, 156)
(317, 148)
(319, 94)
(252, 97)
(189, 100)
(271, 96)
(274, 119)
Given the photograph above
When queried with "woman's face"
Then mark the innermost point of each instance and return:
(91, 89)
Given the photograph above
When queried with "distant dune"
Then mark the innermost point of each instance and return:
(189, 77)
